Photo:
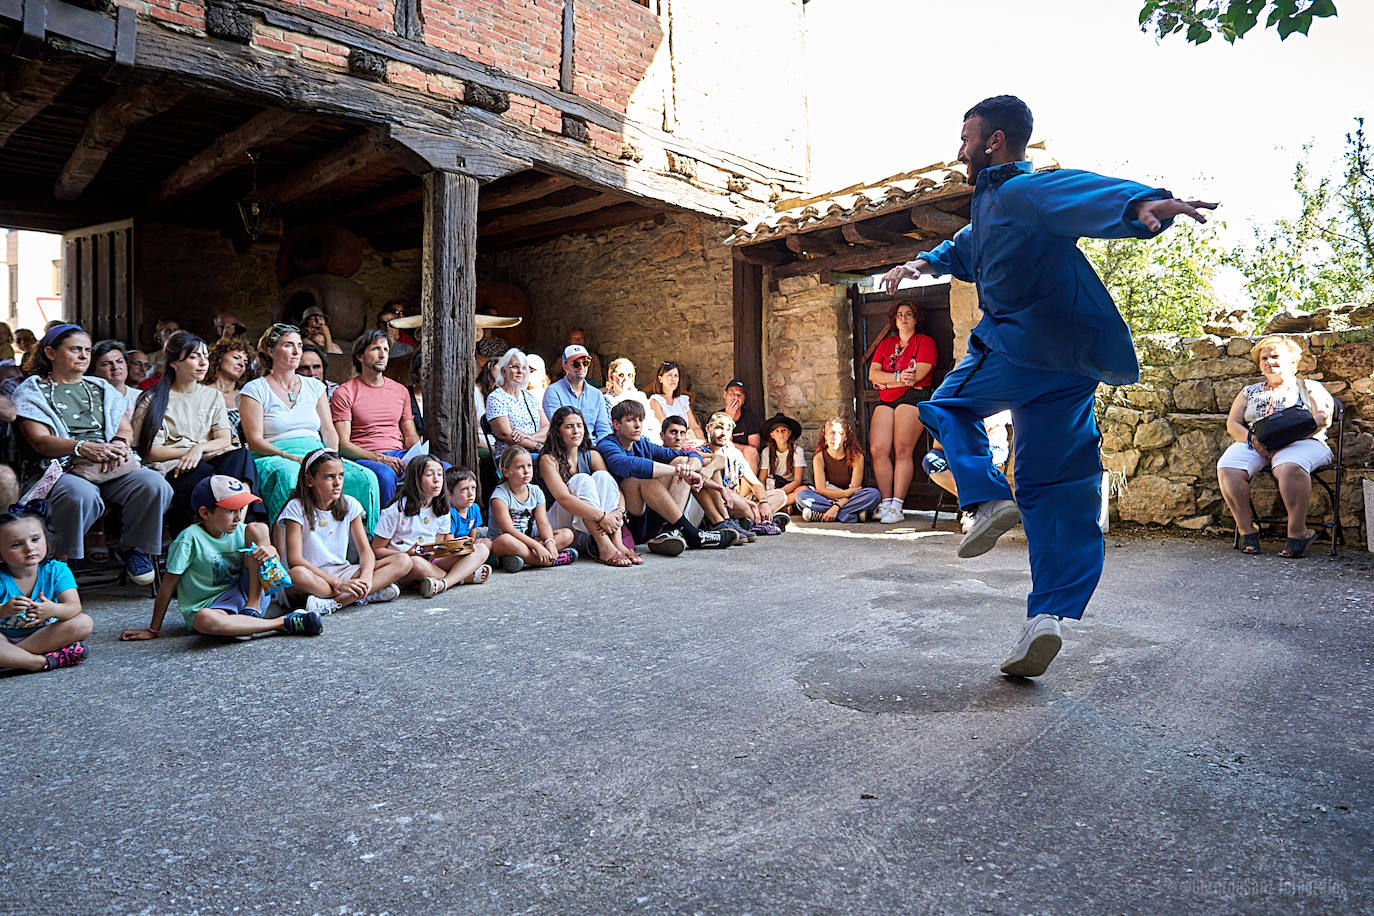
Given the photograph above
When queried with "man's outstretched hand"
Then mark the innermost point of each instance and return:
(894, 277)
(1152, 213)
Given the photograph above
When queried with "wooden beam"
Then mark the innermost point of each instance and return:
(423, 151)
(609, 218)
(860, 259)
(131, 104)
(230, 151)
(384, 202)
(448, 306)
(565, 67)
(811, 244)
(748, 328)
(509, 222)
(929, 219)
(34, 87)
(522, 190)
(355, 156)
(768, 257)
(863, 234)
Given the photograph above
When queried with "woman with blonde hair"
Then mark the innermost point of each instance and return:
(513, 410)
(620, 386)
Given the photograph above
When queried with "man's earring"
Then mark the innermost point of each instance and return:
(987, 152)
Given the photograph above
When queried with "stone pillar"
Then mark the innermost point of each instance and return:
(964, 313)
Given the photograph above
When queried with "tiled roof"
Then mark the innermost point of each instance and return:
(897, 192)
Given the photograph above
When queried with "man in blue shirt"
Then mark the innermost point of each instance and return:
(1049, 334)
(573, 390)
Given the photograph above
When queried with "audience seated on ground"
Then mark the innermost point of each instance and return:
(937, 467)
(416, 521)
(214, 569)
(80, 419)
(741, 494)
(316, 528)
(1292, 461)
(585, 496)
(41, 621)
(748, 437)
(838, 493)
(667, 399)
(372, 415)
(182, 429)
(656, 482)
(465, 516)
(783, 460)
(522, 533)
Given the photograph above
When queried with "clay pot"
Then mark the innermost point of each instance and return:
(319, 249)
(343, 301)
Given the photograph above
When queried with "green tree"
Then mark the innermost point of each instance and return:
(1325, 254)
(1164, 284)
(1199, 20)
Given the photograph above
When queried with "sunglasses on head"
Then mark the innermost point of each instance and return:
(283, 328)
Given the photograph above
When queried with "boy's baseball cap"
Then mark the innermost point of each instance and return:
(223, 491)
(572, 351)
(735, 383)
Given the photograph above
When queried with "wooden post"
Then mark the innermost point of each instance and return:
(749, 330)
(448, 306)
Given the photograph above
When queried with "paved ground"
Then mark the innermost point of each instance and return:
(811, 724)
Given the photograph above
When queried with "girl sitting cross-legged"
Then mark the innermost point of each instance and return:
(43, 623)
(586, 497)
(316, 528)
(524, 536)
(838, 469)
(418, 516)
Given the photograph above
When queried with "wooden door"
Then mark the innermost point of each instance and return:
(98, 280)
(870, 312)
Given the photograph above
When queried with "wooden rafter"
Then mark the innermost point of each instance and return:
(356, 156)
(766, 257)
(858, 259)
(378, 203)
(522, 191)
(862, 234)
(510, 222)
(34, 87)
(938, 222)
(812, 244)
(230, 151)
(609, 218)
(130, 104)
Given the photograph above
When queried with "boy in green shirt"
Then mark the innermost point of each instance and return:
(219, 592)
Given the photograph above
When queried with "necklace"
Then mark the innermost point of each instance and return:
(52, 387)
(291, 397)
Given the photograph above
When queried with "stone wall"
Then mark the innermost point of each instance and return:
(809, 353)
(650, 292)
(1162, 437)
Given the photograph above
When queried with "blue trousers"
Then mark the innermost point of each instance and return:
(866, 498)
(1058, 466)
(387, 479)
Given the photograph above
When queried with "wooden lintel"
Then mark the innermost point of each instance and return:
(355, 156)
(34, 87)
(106, 128)
(860, 234)
(609, 218)
(230, 151)
(424, 151)
(811, 244)
(523, 191)
(859, 259)
(766, 257)
(378, 203)
(929, 219)
(510, 222)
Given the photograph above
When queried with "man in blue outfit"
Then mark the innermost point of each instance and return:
(573, 390)
(1049, 334)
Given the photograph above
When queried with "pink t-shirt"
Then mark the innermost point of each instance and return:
(376, 413)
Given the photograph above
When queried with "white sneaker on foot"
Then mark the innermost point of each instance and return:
(1037, 647)
(381, 595)
(991, 519)
(322, 606)
(892, 514)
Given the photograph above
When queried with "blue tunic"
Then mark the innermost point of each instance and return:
(1043, 304)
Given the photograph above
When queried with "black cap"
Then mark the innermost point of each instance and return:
(736, 383)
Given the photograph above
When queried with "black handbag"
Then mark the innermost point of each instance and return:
(1284, 427)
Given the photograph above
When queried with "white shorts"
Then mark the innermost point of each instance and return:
(1308, 454)
(343, 571)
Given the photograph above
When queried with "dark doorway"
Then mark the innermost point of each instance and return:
(932, 318)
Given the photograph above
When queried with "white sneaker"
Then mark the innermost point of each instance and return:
(992, 519)
(322, 606)
(383, 595)
(1037, 647)
(891, 514)
(810, 515)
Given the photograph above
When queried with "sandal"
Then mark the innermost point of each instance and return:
(430, 586)
(635, 558)
(479, 575)
(1248, 543)
(1294, 548)
(617, 559)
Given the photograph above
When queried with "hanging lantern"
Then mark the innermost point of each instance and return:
(254, 207)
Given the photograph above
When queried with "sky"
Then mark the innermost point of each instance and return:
(889, 81)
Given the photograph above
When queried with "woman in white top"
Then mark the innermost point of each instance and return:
(285, 417)
(182, 430)
(667, 401)
(513, 411)
(620, 386)
(110, 361)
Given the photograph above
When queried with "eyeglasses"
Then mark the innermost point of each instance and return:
(140, 363)
(580, 363)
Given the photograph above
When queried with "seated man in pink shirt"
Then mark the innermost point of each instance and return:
(372, 414)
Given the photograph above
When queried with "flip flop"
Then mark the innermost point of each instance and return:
(1294, 548)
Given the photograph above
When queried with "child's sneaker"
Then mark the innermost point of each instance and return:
(810, 515)
(321, 607)
(304, 623)
(512, 563)
(566, 557)
(781, 519)
(767, 528)
(64, 657)
(383, 595)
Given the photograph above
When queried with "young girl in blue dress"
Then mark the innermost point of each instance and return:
(40, 610)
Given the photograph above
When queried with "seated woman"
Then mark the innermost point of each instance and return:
(900, 370)
(1292, 464)
(110, 361)
(620, 386)
(666, 400)
(286, 417)
(513, 411)
(229, 359)
(586, 497)
(999, 442)
(80, 420)
(182, 429)
(838, 494)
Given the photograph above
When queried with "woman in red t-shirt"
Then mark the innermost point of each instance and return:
(900, 370)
